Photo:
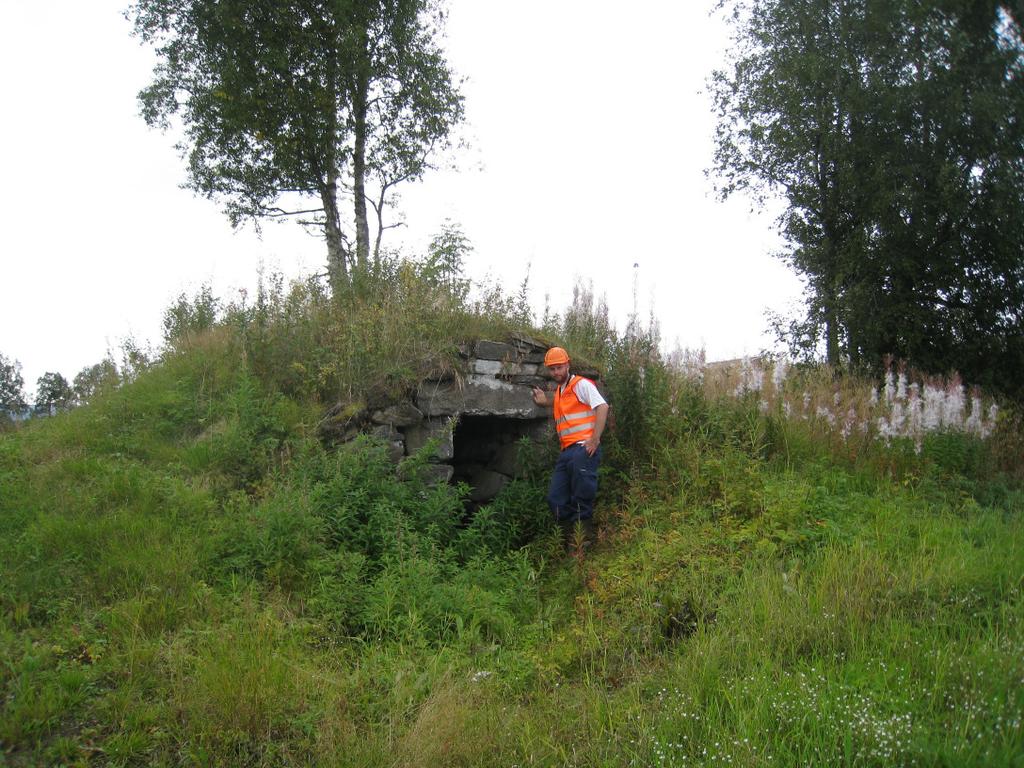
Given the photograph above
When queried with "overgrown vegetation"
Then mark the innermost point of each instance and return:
(894, 135)
(187, 576)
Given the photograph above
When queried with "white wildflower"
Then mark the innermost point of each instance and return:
(848, 423)
(915, 412)
(890, 386)
(953, 406)
(897, 420)
(779, 372)
(933, 402)
(751, 375)
(974, 424)
(993, 414)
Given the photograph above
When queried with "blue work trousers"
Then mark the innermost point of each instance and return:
(574, 484)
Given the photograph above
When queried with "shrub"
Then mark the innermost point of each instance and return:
(376, 551)
(190, 316)
(255, 428)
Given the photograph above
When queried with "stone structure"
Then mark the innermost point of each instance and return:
(477, 414)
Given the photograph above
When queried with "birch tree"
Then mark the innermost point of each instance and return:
(12, 386)
(289, 108)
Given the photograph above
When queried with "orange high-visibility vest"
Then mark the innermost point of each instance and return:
(574, 419)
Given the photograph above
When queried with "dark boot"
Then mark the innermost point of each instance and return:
(568, 534)
(589, 532)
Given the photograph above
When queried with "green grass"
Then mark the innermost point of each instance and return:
(187, 577)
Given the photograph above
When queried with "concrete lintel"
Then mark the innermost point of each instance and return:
(478, 396)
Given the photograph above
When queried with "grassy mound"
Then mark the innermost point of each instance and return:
(188, 577)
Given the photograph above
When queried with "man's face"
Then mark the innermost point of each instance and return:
(559, 372)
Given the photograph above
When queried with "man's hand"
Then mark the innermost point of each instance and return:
(601, 413)
(539, 397)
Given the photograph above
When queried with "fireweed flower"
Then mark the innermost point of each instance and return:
(974, 422)
(779, 372)
(898, 408)
(933, 401)
(953, 405)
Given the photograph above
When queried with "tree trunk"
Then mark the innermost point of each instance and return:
(337, 267)
(830, 297)
(359, 108)
(831, 332)
(337, 253)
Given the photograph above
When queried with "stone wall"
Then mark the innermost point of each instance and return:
(478, 413)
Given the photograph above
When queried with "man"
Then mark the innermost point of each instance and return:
(580, 413)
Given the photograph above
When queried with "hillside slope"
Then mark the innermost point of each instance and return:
(189, 577)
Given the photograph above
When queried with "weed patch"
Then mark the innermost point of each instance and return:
(187, 576)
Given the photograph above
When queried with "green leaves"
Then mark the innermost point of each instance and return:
(12, 385)
(283, 102)
(53, 392)
(894, 131)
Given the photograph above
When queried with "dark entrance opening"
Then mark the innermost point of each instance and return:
(486, 452)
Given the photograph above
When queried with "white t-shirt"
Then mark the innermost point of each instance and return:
(587, 393)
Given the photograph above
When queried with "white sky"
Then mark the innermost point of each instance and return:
(590, 135)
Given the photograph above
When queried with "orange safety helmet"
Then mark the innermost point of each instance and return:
(555, 356)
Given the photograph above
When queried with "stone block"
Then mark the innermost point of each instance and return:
(506, 459)
(393, 439)
(527, 342)
(438, 473)
(478, 396)
(486, 367)
(527, 380)
(486, 484)
(509, 368)
(342, 422)
(398, 415)
(543, 431)
(417, 436)
(495, 350)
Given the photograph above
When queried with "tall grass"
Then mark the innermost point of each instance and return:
(187, 576)
(853, 409)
